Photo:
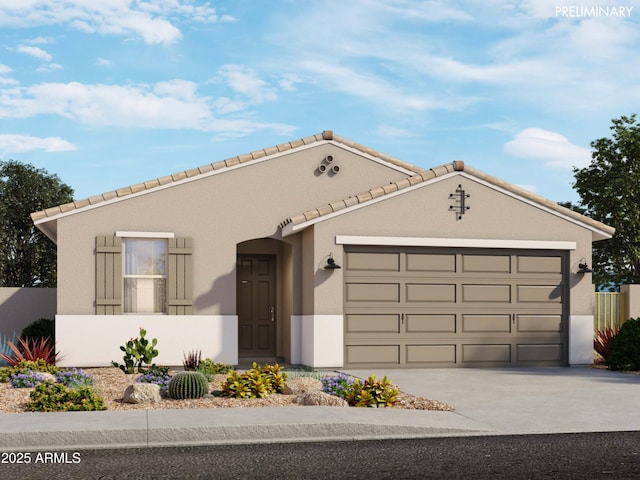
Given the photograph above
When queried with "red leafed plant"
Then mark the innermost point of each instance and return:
(602, 340)
(31, 350)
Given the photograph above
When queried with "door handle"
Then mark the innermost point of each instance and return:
(273, 314)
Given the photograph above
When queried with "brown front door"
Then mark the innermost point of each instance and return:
(256, 305)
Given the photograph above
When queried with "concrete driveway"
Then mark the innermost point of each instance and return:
(531, 400)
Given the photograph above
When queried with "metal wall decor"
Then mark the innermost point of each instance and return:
(460, 198)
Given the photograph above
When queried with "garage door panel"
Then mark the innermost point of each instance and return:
(486, 323)
(486, 353)
(372, 323)
(370, 354)
(486, 263)
(430, 323)
(364, 262)
(539, 293)
(486, 293)
(539, 323)
(540, 353)
(454, 307)
(430, 292)
(528, 264)
(373, 292)
(417, 354)
(423, 262)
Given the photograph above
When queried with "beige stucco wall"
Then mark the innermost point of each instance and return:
(424, 212)
(217, 212)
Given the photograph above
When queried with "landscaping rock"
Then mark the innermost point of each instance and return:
(142, 393)
(48, 377)
(321, 399)
(299, 385)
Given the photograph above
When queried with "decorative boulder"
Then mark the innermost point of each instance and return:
(299, 385)
(48, 377)
(142, 393)
(321, 399)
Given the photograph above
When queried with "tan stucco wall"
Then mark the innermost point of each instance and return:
(217, 212)
(424, 212)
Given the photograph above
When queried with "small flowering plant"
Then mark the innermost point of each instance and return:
(25, 379)
(74, 378)
(159, 376)
(337, 385)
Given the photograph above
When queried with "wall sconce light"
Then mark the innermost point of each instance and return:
(331, 263)
(583, 266)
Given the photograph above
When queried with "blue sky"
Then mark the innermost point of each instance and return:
(108, 93)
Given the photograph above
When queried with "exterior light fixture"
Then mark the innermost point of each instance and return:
(583, 266)
(331, 263)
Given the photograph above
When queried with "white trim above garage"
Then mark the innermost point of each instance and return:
(454, 242)
(145, 234)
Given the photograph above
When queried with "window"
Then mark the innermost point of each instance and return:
(145, 275)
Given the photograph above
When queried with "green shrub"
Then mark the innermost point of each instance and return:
(624, 347)
(210, 368)
(274, 376)
(371, 393)
(39, 365)
(188, 384)
(55, 397)
(4, 374)
(256, 383)
(42, 328)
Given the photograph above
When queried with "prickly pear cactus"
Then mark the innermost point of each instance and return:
(188, 384)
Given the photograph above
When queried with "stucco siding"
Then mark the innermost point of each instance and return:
(94, 341)
(217, 212)
(424, 212)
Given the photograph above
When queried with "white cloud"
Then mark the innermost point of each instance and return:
(288, 81)
(35, 52)
(553, 149)
(114, 105)
(243, 80)
(172, 104)
(374, 89)
(4, 69)
(103, 62)
(25, 143)
(38, 41)
(49, 67)
(152, 21)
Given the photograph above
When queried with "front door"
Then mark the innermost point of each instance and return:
(256, 305)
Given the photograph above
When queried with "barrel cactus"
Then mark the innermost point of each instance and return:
(188, 384)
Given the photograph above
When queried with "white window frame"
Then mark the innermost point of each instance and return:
(142, 236)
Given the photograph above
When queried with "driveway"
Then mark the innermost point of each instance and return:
(531, 400)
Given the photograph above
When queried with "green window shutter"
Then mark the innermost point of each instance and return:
(108, 275)
(180, 277)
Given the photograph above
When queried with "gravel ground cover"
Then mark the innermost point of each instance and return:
(112, 382)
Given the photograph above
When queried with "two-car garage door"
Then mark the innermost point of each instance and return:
(420, 307)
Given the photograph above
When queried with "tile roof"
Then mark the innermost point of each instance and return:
(456, 166)
(420, 175)
(210, 167)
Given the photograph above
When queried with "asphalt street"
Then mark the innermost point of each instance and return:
(614, 455)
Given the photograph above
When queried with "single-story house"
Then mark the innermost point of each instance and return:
(325, 253)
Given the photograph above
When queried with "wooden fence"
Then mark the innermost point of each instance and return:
(609, 310)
